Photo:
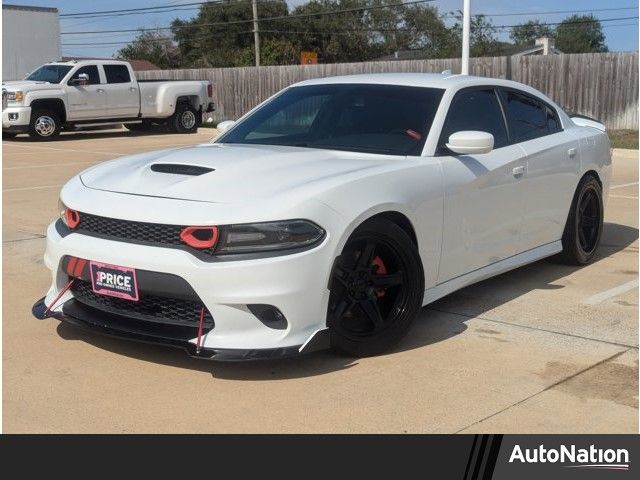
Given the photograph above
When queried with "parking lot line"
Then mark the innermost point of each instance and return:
(40, 147)
(623, 196)
(613, 292)
(622, 185)
(42, 187)
(21, 167)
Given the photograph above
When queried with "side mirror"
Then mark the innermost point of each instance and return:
(470, 142)
(83, 79)
(224, 126)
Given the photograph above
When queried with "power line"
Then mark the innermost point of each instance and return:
(280, 17)
(141, 9)
(492, 27)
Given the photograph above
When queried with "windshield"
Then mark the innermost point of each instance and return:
(386, 119)
(49, 73)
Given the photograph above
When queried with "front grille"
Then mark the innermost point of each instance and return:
(152, 308)
(137, 232)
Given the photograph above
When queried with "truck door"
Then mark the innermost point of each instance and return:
(86, 100)
(123, 96)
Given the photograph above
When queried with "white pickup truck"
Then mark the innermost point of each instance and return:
(91, 93)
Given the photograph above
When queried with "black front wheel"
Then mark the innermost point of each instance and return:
(583, 230)
(377, 288)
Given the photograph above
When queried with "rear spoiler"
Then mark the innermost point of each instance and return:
(584, 121)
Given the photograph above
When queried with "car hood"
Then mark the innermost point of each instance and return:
(240, 173)
(25, 84)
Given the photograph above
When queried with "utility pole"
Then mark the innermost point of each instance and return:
(466, 28)
(256, 35)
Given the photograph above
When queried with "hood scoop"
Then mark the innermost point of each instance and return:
(180, 169)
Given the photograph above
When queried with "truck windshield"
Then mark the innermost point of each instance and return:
(49, 73)
(385, 119)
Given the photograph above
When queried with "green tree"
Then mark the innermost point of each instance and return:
(526, 33)
(482, 37)
(153, 46)
(580, 34)
(221, 34)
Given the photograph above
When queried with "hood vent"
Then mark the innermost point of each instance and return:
(180, 169)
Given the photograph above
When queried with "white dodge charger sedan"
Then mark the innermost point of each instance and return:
(327, 216)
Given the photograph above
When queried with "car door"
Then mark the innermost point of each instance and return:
(89, 101)
(483, 200)
(123, 97)
(551, 163)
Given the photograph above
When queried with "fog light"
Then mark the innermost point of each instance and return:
(269, 315)
(13, 116)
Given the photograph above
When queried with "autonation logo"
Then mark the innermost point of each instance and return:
(573, 457)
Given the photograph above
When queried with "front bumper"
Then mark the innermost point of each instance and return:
(296, 284)
(76, 314)
(16, 119)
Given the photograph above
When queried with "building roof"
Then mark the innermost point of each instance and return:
(29, 8)
(141, 65)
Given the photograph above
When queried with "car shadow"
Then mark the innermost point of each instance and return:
(92, 135)
(435, 323)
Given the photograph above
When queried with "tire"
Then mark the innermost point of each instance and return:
(184, 120)
(44, 125)
(363, 320)
(583, 229)
(9, 135)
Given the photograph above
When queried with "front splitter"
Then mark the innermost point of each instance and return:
(74, 313)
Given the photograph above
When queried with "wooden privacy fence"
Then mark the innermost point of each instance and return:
(600, 85)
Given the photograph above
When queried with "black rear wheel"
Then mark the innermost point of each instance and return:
(376, 289)
(583, 230)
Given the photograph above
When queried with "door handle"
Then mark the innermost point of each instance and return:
(132, 89)
(100, 90)
(518, 171)
(572, 152)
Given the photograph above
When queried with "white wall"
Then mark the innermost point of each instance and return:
(29, 39)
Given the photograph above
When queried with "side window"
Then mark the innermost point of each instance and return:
(553, 123)
(476, 110)
(117, 73)
(92, 71)
(528, 118)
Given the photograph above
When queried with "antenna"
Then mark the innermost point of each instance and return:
(466, 27)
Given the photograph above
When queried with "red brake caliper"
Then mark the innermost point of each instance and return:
(381, 270)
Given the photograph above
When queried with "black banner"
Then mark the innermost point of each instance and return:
(459, 457)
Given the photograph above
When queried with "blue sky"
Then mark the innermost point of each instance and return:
(621, 35)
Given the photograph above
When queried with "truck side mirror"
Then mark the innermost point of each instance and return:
(81, 80)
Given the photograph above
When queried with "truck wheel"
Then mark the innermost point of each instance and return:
(45, 125)
(184, 120)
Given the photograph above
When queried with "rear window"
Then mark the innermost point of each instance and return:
(117, 74)
(528, 117)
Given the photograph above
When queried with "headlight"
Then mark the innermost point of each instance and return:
(15, 96)
(69, 217)
(268, 237)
